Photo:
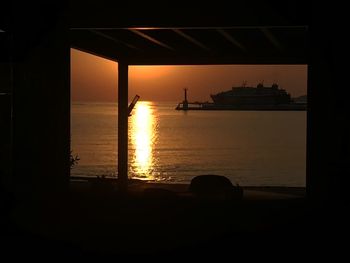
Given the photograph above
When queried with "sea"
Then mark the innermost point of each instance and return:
(251, 148)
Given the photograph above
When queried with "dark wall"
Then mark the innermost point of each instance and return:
(41, 105)
(5, 112)
(328, 116)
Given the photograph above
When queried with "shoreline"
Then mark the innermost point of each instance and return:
(138, 187)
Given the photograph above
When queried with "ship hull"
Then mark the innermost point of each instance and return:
(250, 100)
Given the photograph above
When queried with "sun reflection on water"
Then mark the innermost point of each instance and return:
(143, 134)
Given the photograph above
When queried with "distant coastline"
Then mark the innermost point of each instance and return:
(213, 106)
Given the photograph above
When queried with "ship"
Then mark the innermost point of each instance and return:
(247, 98)
(254, 96)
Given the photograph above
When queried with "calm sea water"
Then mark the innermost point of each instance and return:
(255, 148)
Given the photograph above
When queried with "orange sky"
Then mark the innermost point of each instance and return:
(96, 79)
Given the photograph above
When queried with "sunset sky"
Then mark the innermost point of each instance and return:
(96, 79)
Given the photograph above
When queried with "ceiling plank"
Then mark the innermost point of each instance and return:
(231, 39)
(152, 39)
(274, 41)
(113, 39)
(191, 39)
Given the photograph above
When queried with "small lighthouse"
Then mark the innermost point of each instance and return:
(185, 102)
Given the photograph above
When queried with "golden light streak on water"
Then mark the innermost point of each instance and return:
(142, 139)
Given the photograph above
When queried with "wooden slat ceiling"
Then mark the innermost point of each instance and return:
(196, 45)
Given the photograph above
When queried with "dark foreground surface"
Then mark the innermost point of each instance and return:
(95, 221)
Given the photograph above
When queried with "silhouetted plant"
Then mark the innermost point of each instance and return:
(73, 159)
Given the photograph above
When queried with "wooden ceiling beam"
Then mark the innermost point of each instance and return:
(231, 39)
(151, 39)
(191, 39)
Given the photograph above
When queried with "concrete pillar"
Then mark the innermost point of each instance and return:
(122, 126)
